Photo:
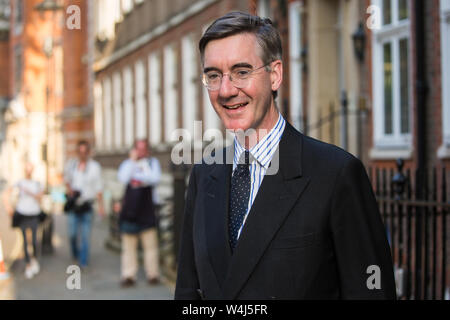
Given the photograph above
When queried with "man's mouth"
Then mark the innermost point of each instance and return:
(235, 106)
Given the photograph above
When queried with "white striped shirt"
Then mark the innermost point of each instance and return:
(261, 156)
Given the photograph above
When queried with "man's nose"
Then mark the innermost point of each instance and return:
(227, 88)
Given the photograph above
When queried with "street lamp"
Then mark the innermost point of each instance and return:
(359, 42)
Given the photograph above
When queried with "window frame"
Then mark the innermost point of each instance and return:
(140, 93)
(210, 118)
(170, 91)
(155, 98)
(190, 75)
(128, 105)
(117, 110)
(392, 33)
(98, 116)
(107, 114)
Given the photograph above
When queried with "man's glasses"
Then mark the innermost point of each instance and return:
(239, 77)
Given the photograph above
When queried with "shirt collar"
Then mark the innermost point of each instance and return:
(263, 151)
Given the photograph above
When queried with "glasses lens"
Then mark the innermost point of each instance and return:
(239, 78)
(212, 80)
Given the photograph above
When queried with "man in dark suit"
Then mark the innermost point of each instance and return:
(289, 217)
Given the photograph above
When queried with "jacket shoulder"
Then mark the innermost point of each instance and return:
(327, 156)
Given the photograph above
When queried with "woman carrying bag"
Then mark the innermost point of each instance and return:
(27, 215)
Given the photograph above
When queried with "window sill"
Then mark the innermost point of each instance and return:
(444, 152)
(386, 153)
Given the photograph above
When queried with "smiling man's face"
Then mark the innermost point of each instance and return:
(251, 106)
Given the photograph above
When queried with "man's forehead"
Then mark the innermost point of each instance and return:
(235, 49)
(141, 144)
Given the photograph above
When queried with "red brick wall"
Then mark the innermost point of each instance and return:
(434, 79)
(433, 65)
(75, 43)
(5, 64)
(38, 71)
(77, 82)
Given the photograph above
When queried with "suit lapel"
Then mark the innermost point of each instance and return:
(276, 196)
(216, 218)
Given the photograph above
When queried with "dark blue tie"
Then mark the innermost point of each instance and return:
(239, 195)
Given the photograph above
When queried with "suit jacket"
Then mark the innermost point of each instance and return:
(312, 232)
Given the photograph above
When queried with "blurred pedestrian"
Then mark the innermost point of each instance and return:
(26, 215)
(83, 180)
(140, 173)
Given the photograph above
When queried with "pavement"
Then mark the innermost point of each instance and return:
(100, 281)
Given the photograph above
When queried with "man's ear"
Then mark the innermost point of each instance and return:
(276, 75)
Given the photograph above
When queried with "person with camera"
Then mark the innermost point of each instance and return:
(140, 173)
(83, 180)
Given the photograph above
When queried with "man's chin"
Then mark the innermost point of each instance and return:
(235, 127)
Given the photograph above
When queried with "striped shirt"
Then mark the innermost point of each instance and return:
(260, 157)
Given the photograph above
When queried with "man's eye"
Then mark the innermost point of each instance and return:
(212, 76)
(242, 73)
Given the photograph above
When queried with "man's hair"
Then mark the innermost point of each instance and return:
(136, 141)
(147, 143)
(237, 22)
(83, 143)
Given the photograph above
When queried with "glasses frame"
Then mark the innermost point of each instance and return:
(231, 78)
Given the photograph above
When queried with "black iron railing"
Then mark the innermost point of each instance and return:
(417, 230)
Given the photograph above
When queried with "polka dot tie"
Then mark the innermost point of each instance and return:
(240, 193)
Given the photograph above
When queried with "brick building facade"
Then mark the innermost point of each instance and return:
(435, 54)
(34, 93)
(46, 100)
(147, 79)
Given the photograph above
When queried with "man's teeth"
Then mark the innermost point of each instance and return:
(236, 106)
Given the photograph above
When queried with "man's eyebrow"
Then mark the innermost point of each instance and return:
(235, 66)
(208, 69)
(242, 65)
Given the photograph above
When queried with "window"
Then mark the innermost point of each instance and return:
(108, 13)
(18, 16)
(127, 6)
(141, 112)
(210, 118)
(295, 71)
(98, 116)
(190, 83)
(170, 92)
(18, 69)
(128, 107)
(263, 9)
(445, 60)
(107, 113)
(391, 76)
(118, 115)
(155, 98)
(5, 9)
(18, 11)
